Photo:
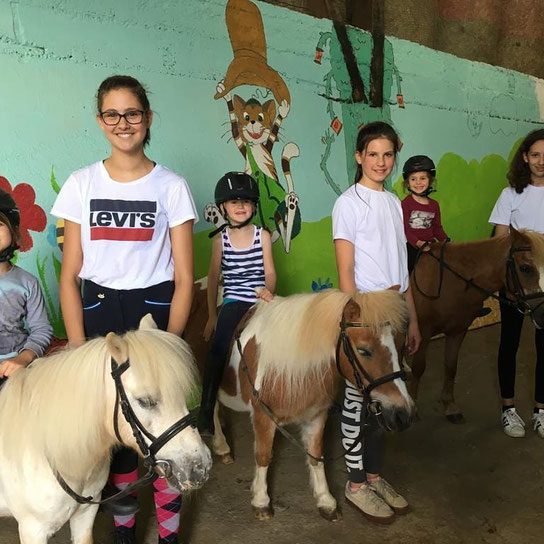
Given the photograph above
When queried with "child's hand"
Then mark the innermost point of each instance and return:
(10, 366)
(264, 294)
(414, 337)
(209, 328)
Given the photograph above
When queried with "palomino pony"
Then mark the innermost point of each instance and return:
(59, 418)
(292, 356)
(451, 281)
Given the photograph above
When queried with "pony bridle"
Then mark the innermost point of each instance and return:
(359, 372)
(514, 285)
(156, 468)
(161, 467)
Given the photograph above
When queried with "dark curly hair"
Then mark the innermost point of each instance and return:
(374, 131)
(519, 174)
(114, 83)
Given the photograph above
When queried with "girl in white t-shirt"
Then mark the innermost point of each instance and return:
(370, 250)
(522, 206)
(128, 235)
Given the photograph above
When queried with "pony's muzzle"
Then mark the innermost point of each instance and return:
(397, 418)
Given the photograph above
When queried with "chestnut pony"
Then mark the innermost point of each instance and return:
(290, 359)
(450, 282)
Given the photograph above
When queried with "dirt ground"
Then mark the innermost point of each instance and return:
(466, 483)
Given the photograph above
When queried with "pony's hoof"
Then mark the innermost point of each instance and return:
(263, 514)
(456, 418)
(330, 515)
(227, 459)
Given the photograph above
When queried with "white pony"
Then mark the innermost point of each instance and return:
(57, 415)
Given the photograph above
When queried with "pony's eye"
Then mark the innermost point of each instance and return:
(526, 268)
(365, 352)
(246, 116)
(260, 117)
(147, 402)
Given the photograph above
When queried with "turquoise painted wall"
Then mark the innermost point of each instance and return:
(53, 55)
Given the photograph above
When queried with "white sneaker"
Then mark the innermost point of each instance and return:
(367, 502)
(512, 424)
(538, 423)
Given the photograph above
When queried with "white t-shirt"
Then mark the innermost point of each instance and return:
(372, 222)
(125, 226)
(522, 211)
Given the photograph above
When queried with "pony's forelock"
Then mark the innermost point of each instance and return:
(537, 244)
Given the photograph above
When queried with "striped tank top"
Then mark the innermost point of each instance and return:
(243, 269)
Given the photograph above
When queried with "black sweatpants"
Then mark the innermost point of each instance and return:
(117, 310)
(511, 325)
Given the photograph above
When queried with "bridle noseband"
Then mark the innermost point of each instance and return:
(156, 468)
(359, 372)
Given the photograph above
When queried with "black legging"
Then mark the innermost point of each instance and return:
(366, 456)
(511, 325)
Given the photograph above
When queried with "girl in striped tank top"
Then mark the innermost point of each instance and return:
(243, 255)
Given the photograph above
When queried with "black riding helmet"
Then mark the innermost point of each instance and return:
(236, 186)
(418, 163)
(10, 209)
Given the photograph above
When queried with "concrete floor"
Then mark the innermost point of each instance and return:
(466, 484)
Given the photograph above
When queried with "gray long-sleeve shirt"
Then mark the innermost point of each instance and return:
(23, 318)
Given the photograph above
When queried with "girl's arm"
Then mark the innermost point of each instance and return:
(269, 270)
(213, 284)
(181, 238)
(70, 284)
(414, 336)
(501, 229)
(438, 230)
(345, 263)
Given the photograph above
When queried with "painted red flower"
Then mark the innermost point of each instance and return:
(32, 216)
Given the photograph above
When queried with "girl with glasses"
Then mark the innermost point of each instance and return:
(128, 240)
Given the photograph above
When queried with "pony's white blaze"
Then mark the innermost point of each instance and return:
(541, 278)
(388, 341)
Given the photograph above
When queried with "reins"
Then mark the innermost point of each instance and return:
(156, 468)
(369, 406)
(511, 275)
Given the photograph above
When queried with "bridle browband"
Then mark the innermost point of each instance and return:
(369, 406)
(513, 283)
(156, 468)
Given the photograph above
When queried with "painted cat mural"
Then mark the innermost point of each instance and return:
(255, 125)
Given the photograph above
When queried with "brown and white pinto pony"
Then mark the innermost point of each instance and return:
(289, 346)
(447, 304)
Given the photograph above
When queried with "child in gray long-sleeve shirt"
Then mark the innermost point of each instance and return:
(25, 331)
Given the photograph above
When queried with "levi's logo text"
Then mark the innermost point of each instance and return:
(122, 220)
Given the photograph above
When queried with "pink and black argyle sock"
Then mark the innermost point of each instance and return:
(120, 481)
(168, 505)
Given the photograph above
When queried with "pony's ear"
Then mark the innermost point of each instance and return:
(147, 322)
(117, 347)
(395, 287)
(517, 237)
(352, 311)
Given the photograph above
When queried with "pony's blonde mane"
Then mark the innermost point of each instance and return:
(537, 244)
(57, 406)
(297, 335)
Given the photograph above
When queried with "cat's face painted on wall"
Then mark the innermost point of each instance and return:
(255, 120)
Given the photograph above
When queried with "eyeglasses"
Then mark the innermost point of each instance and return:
(132, 117)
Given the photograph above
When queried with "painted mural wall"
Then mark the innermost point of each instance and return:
(244, 85)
